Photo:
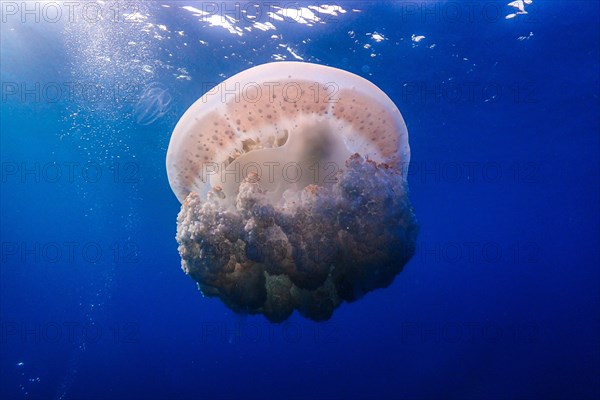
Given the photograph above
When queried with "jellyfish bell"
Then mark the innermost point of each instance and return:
(293, 113)
(292, 179)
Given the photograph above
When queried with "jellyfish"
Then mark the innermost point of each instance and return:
(153, 104)
(292, 179)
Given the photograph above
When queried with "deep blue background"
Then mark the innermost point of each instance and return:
(501, 300)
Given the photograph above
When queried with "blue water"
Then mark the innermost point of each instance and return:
(501, 300)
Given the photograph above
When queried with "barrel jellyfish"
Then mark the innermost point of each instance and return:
(292, 179)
